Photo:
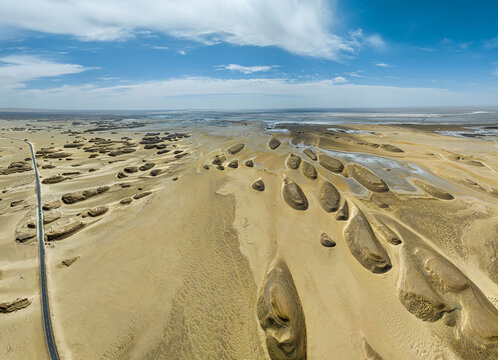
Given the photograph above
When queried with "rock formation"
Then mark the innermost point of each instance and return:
(294, 196)
(330, 163)
(363, 244)
(281, 315)
(367, 178)
(328, 197)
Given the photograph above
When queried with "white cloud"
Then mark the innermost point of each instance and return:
(376, 42)
(247, 69)
(491, 43)
(15, 70)
(159, 47)
(340, 80)
(384, 65)
(212, 93)
(182, 52)
(301, 27)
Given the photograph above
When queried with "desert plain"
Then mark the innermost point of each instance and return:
(201, 241)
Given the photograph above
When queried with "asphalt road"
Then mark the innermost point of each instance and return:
(47, 323)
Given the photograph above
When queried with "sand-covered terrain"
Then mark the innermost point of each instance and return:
(236, 242)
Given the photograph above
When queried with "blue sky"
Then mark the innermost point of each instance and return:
(228, 54)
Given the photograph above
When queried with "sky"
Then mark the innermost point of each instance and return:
(247, 54)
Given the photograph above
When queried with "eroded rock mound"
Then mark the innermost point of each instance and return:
(130, 169)
(23, 235)
(54, 179)
(57, 155)
(70, 261)
(309, 153)
(328, 197)
(294, 195)
(15, 167)
(391, 148)
(343, 213)
(15, 305)
(258, 185)
(281, 315)
(367, 178)
(78, 196)
(274, 143)
(97, 211)
(309, 170)
(51, 217)
(432, 190)
(236, 148)
(387, 234)
(326, 241)
(415, 291)
(249, 163)
(52, 205)
(330, 163)
(146, 166)
(65, 231)
(363, 244)
(219, 159)
(293, 161)
(234, 164)
(142, 195)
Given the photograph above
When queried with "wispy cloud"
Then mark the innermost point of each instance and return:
(108, 78)
(384, 65)
(212, 93)
(182, 52)
(16, 70)
(246, 69)
(455, 46)
(300, 27)
(491, 43)
(495, 72)
(159, 47)
(356, 74)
